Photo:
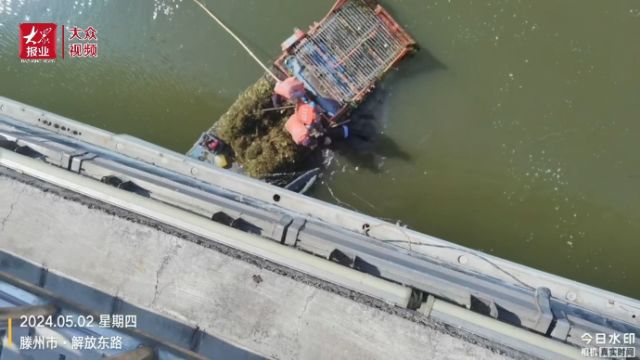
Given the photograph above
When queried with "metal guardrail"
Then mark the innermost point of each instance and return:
(264, 196)
(535, 307)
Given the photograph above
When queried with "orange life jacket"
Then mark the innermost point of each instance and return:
(297, 129)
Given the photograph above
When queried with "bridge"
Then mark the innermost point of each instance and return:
(215, 264)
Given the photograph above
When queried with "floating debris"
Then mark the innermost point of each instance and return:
(258, 138)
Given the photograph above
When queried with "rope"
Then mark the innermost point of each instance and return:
(278, 108)
(238, 40)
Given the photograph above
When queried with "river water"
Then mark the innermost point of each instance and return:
(515, 130)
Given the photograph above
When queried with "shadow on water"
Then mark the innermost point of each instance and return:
(370, 151)
(368, 146)
(423, 61)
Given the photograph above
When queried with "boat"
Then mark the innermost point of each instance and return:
(322, 75)
(300, 181)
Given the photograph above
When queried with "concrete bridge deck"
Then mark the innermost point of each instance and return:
(246, 306)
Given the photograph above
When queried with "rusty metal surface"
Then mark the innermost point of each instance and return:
(343, 56)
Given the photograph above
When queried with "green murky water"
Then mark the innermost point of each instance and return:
(515, 131)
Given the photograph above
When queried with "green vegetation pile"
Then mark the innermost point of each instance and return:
(259, 141)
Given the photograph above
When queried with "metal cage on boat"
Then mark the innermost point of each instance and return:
(341, 57)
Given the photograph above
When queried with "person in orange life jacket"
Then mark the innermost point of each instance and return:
(290, 89)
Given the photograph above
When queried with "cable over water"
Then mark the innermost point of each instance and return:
(244, 46)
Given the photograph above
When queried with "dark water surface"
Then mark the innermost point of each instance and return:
(516, 130)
